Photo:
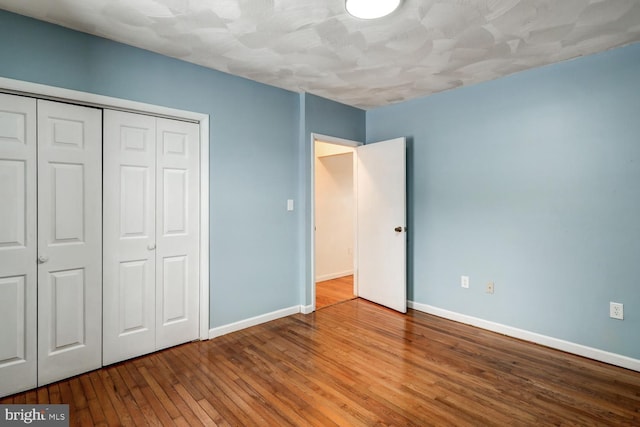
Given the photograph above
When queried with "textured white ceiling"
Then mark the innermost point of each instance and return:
(314, 46)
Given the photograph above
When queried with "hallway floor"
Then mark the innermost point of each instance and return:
(334, 291)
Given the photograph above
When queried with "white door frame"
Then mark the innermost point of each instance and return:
(312, 191)
(19, 87)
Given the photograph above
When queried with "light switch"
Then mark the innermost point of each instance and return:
(290, 205)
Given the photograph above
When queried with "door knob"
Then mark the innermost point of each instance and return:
(398, 229)
(151, 246)
(43, 258)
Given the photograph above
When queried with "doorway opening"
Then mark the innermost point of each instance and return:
(335, 222)
(379, 239)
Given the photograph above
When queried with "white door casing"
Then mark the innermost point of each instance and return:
(337, 143)
(177, 232)
(381, 233)
(18, 244)
(129, 235)
(69, 240)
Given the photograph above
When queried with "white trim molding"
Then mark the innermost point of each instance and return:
(54, 93)
(331, 276)
(90, 99)
(555, 343)
(253, 321)
(307, 309)
(204, 227)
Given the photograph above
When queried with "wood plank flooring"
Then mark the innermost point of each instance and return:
(352, 364)
(333, 291)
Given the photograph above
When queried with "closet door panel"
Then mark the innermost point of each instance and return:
(13, 214)
(18, 271)
(177, 232)
(67, 216)
(69, 240)
(129, 235)
(67, 323)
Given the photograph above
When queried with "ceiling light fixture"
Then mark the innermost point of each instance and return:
(371, 9)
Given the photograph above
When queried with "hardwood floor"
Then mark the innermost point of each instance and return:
(333, 291)
(352, 364)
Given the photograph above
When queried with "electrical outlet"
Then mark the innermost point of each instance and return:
(464, 281)
(616, 310)
(490, 287)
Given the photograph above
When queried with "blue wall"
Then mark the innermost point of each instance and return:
(531, 181)
(254, 141)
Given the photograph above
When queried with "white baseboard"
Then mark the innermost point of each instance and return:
(558, 344)
(306, 309)
(331, 276)
(257, 320)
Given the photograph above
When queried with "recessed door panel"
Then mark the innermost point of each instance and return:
(135, 138)
(13, 309)
(67, 203)
(69, 240)
(134, 306)
(129, 235)
(177, 192)
(13, 213)
(67, 314)
(18, 274)
(13, 125)
(66, 133)
(134, 201)
(175, 143)
(175, 290)
(175, 201)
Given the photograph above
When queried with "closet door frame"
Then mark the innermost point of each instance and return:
(19, 87)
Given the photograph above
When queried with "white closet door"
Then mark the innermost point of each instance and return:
(18, 303)
(177, 231)
(69, 240)
(129, 235)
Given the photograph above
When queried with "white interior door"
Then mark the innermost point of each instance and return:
(129, 235)
(18, 272)
(177, 231)
(381, 233)
(69, 240)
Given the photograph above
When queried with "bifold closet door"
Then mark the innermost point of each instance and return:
(129, 235)
(178, 232)
(18, 244)
(151, 234)
(69, 240)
